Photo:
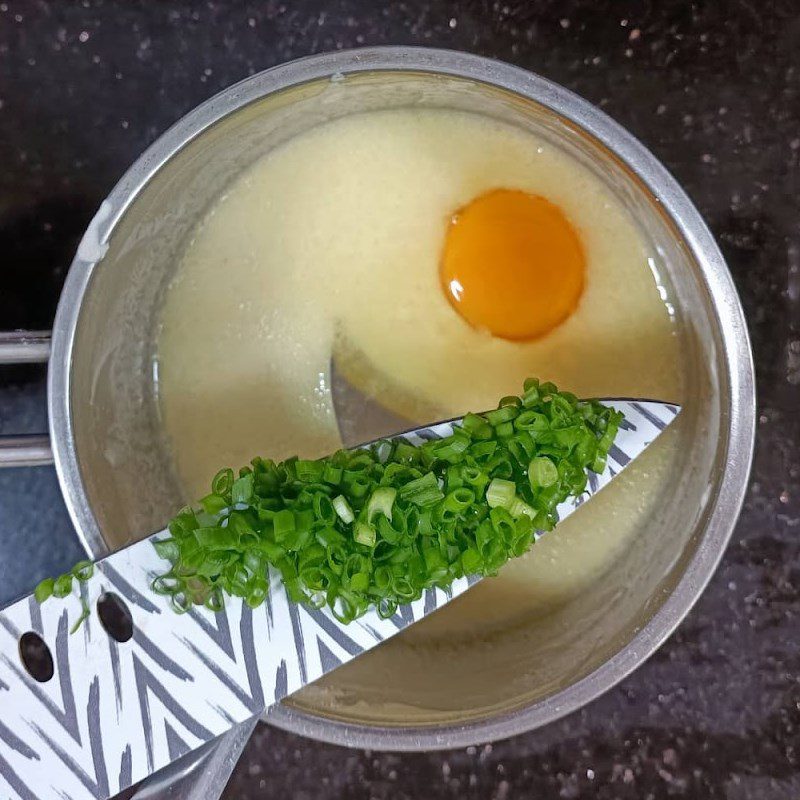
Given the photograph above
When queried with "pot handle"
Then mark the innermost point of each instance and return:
(25, 347)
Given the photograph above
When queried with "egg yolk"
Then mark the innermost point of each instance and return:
(512, 264)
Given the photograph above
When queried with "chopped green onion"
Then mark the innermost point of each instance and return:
(531, 421)
(423, 491)
(309, 471)
(215, 601)
(451, 448)
(459, 500)
(376, 527)
(222, 482)
(181, 602)
(168, 549)
(214, 503)
(474, 477)
(381, 502)
(44, 590)
(501, 415)
(283, 524)
(476, 426)
(83, 570)
(257, 593)
(364, 533)
(62, 586)
(470, 561)
(542, 472)
(405, 453)
(166, 584)
(323, 509)
(504, 430)
(510, 400)
(242, 489)
(84, 615)
(519, 508)
(343, 509)
(483, 450)
(332, 474)
(500, 493)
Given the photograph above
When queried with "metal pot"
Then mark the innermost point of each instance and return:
(115, 472)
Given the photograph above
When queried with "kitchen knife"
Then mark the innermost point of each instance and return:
(114, 712)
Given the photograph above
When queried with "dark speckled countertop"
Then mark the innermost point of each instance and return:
(713, 89)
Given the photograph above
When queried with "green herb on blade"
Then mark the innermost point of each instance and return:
(376, 527)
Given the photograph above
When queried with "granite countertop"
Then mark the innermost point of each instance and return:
(713, 89)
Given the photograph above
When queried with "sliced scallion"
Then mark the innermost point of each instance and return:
(542, 472)
(343, 509)
(376, 527)
(381, 502)
(364, 533)
(500, 493)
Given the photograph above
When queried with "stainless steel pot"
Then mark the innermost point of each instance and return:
(115, 472)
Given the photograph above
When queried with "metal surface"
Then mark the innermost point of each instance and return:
(732, 373)
(201, 775)
(359, 417)
(24, 347)
(28, 450)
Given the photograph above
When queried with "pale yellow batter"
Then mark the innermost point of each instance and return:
(331, 243)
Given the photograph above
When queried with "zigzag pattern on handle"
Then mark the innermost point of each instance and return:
(115, 713)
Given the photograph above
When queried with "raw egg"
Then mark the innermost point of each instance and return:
(513, 265)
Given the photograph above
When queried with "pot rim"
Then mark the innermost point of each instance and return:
(739, 416)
